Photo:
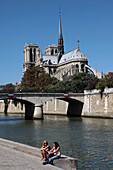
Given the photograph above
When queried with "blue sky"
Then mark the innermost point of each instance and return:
(36, 21)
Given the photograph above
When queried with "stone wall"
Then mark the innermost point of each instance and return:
(12, 108)
(69, 68)
(97, 105)
(55, 106)
(1, 106)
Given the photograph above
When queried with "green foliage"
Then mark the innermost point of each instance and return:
(107, 81)
(58, 87)
(76, 83)
(28, 89)
(80, 81)
(92, 83)
(54, 80)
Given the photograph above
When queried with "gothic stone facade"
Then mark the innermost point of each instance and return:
(69, 64)
(55, 61)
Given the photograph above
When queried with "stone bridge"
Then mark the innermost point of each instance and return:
(34, 102)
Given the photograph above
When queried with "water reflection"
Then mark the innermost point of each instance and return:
(90, 140)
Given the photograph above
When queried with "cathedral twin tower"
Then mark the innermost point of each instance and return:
(33, 55)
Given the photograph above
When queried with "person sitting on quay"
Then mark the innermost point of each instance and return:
(54, 153)
(44, 150)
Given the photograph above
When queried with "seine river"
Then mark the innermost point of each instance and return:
(90, 140)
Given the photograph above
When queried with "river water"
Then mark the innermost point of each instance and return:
(90, 140)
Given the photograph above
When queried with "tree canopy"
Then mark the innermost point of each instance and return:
(9, 88)
(76, 83)
(107, 81)
(35, 78)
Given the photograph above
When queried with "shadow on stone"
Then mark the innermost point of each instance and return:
(67, 163)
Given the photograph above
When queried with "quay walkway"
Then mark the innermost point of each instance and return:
(17, 156)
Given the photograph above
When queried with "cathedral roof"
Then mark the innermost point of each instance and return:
(74, 54)
(71, 55)
(50, 59)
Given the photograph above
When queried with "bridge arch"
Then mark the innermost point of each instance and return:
(29, 106)
(75, 107)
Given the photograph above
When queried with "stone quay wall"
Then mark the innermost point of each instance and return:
(98, 106)
(12, 108)
(18, 156)
(55, 107)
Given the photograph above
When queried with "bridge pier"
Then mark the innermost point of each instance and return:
(29, 110)
(38, 111)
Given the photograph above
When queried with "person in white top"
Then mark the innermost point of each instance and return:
(54, 153)
(44, 150)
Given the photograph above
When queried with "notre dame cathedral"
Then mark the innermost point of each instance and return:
(54, 61)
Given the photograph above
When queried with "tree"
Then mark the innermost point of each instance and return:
(43, 81)
(35, 78)
(30, 76)
(92, 83)
(107, 81)
(80, 81)
(9, 88)
(76, 83)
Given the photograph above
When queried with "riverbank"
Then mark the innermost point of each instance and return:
(16, 156)
(89, 140)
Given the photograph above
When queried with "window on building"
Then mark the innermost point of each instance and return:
(82, 67)
(34, 54)
(50, 72)
(52, 52)
(55, 51)
(31, 55)
(77, 68)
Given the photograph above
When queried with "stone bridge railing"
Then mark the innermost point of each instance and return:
(40, 98)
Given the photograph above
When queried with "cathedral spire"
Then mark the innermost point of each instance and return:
(78, 44)
(60, 40)
(60, 27)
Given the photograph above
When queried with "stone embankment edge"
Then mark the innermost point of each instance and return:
(65, 162)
